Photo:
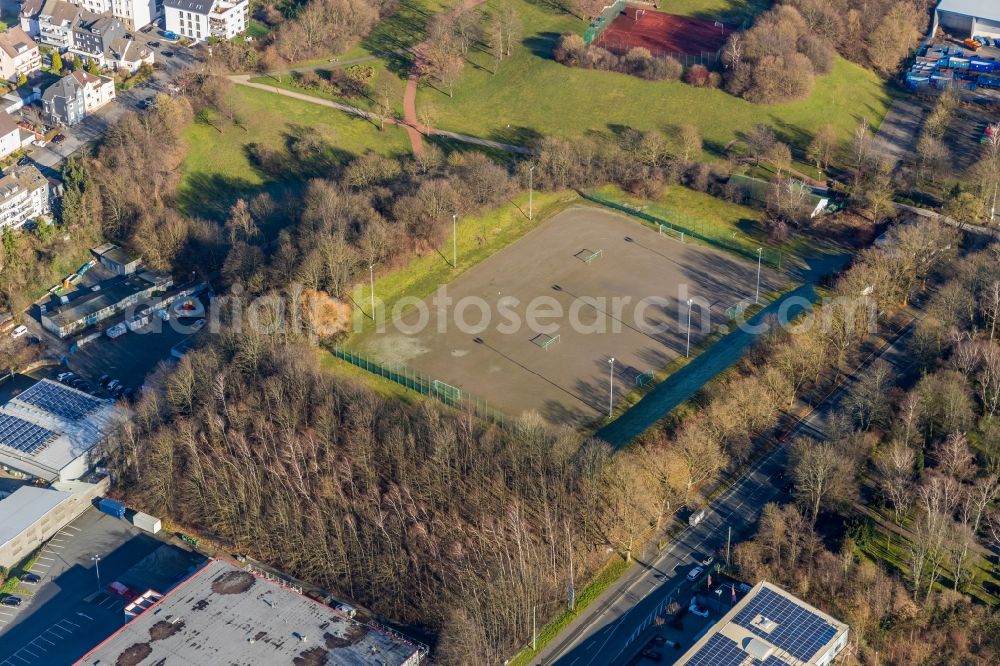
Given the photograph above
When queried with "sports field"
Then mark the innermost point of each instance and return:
(663, 34)
(534, 326)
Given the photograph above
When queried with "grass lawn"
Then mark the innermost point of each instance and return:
(478, 238)
(217, 167)
(532, 95)
(733, 12)
(382, 78)
(716, 218)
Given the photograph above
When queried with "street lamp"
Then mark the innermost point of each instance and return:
(454, 240)
(97, 567)
(687, 353)
(756, 298)
(371, 277)
(531, 187)
(611, 386)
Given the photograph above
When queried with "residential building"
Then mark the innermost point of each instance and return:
(968, 18)
(10, 135)
(51, 431)
(135, 14)
(50, 22)
(200, 19)
(769, 626)
(93, 35)
(75, 96)
(114, 297)
(225, 614)
(24, 193)
(31, 515)
(127, 54)
(18, 54)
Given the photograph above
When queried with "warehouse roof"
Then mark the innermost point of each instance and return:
(25, 507)
(223, 614)
(984, 9)
(49, 425)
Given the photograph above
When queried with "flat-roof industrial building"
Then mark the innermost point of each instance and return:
(112, 297)
(968, 18)
(223, 614)
(25, 517)
(769, 627)
(50, 431)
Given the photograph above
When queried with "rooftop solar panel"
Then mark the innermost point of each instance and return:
(59, 400)
(22, 435)
(718, 651)
(799, 632)
(770, 661)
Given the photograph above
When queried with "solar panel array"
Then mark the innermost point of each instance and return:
(770, 661)
(800, 632)
(718, 651)
(22, 435)
(59, 400)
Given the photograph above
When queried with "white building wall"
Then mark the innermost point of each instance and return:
(10, 142)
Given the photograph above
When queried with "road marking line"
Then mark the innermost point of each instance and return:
(46, 640)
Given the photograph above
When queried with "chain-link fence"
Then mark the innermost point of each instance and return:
(688, 226)
(417, 381)
(602, 21)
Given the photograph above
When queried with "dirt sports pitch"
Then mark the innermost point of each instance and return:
(517, 368)
(663, 34)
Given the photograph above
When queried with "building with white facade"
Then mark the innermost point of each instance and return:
(200, 19)
(968, 18)
(75, 96)
(51, 431)
(18, 54)
(772, 627)
(24, 194)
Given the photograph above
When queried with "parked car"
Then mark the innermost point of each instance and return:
(168, 54)
(104, 379)
(31, 578)
(63, 376)
(19, 331)
(58, 138)
(24, 161)
(695, 573)
(170, 35)
(113, 384)
(652, 655)
(12, 601)
(154, 45)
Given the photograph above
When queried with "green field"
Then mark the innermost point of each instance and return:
(217, 167)
(731, 11)
(532, 95)
(383, 77)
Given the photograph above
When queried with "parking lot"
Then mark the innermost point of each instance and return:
(71, 610)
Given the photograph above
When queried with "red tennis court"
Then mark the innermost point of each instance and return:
(663, 34)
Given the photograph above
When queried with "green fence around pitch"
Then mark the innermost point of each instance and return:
(602, 21)
(423, 384)
(769, 256)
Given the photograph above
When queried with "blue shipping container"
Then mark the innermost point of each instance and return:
(111, 507)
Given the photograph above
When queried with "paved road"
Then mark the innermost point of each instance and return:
(896, 138)
(607, 629)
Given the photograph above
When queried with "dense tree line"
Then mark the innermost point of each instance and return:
(778, 58)
(923, 448)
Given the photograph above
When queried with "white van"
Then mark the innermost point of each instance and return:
(19, 331)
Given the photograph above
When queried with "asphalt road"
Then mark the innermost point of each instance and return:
(605, 632)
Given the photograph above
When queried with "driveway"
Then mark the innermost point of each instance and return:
(896, 139)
